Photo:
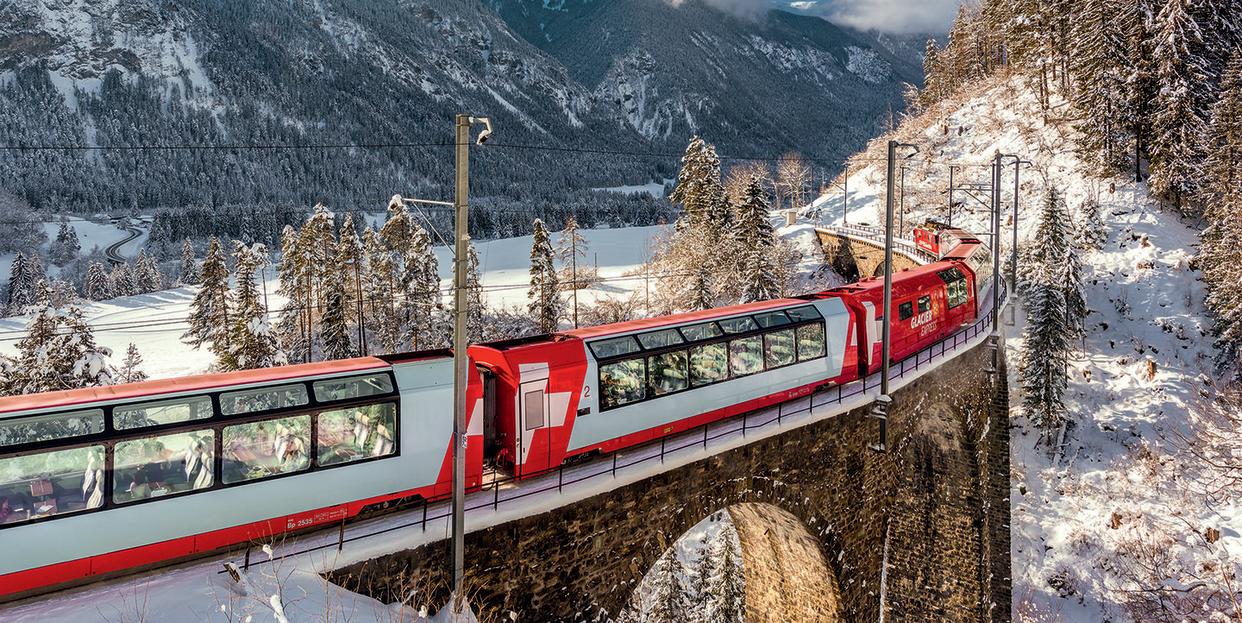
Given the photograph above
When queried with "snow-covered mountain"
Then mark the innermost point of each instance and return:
(639, 75)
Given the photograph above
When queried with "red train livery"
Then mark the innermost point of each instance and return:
(99, 481)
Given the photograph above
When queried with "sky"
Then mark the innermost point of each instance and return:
(895, 16)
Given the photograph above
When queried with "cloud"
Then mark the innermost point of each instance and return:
(749, 9)
(896, 16)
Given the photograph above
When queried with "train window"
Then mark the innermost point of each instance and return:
(802, 314)
(346, 435)
(811, 343)
(36, 428)
(125, 417)
(699, 332)
(615, 347)
(905, 310)
(738, 325)
(152, 467)
(622, 382)
(746, 355)
(667, 373)
(532, 412)
(333, 390)
(268, 448)
(263, 399)
(778, 348)
(772, 319)
(709, 363)
(924, 303)
(50, 483)
(660, 339)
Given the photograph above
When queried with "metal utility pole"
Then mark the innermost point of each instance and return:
(573, 261)
(996, 177)
(901, 213)
(1013, 252)
(845, 204)
(880, 411)
(952, 170)
(460, 359)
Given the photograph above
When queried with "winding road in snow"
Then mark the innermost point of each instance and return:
(113, 252)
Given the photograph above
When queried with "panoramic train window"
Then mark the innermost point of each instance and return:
(604, 349)
(333, 390)
(709, 363)
(622, 382)
(153, 467)
(746, 355)
(772, 319)
(924, 303)
(778, 348)
(35, 428)
(263, 399)
(660, 339)
(346, 435)
(905, 310)
(668, 373)
(698, 332)
(262, 449)
(738, 325)
(800, 314)
(50, 483)
(144, 414)
(811, 343)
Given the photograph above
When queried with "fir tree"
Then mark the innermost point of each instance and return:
(293, 327)
(1101, 91)
(571, 250)
(1221, 255)
(380, 281)
(932, 89)
(421, 283)
(1181, 75)
(21, 285)
(251, 342)
(544, 303)
(348, 263)
(131, 370)
(58, 352)
(189, 265)
(146, 274)
(755, 241)
(476, 308)
(728, 586)
(209, 311)
(334, 327)
(66, 246)
(121, 281)
(97, 285)
(1090, 232)
(668, 597)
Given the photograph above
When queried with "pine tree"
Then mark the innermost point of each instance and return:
(755, 240)
(189, 265)
(571, 250)
(932, 91)
(379, 280)
(1101, 91)
(131, 371)
(334, 327)
(21, 293)
(97, 285)
(58, 352)
(146, 274)
(348, 263)
(544, 295)
(668, 597)
(1090, 232)
(121, 281)
(476, 308)
(421, 283)
(1054, 314)
(293, 328)
(209, 311)
(729, 585)
(251, 342)
(1181, 75)
(698, 191)
(66, 246)
(1221, 255)
(701, 236)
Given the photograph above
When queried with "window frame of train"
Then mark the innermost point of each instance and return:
(957, 291)
(713, 332)
(107, 439)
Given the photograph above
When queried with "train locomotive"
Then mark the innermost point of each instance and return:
(100, 481)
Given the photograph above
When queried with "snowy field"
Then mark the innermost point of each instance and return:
(91, 235)
(1115, 481)
(655, 189)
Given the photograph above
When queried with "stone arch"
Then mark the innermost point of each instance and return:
(787, 576)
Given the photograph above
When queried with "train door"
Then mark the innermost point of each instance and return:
(491, 441)
(534, 451)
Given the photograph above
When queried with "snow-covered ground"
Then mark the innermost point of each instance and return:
(655, 189)
(91, 235)
(1079, 510)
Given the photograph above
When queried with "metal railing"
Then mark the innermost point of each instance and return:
(536, 483)
(876, 235)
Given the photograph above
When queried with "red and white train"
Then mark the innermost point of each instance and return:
(98, 481)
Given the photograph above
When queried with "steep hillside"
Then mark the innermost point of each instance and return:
(1112, 515)
(391, 73)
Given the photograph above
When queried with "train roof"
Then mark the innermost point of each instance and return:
(200, 382)
(679, 319)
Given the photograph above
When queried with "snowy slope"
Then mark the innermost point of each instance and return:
(1078, 513)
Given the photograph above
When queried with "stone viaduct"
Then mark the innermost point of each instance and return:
(824, 520)
(855, 257)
